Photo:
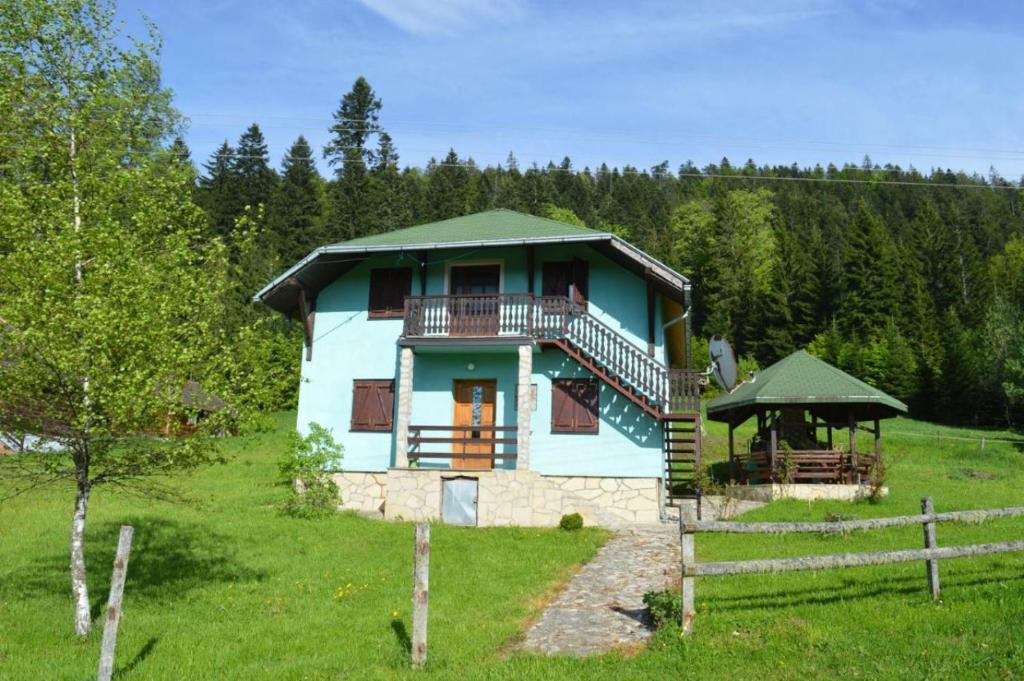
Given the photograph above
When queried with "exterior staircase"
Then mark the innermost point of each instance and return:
(671, 396)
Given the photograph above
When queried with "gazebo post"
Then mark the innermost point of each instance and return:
(853, 448)
(878, 438)
(829, 428)
(774, 442)
(732, 459)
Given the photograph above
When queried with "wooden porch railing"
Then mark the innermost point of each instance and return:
(802, 466)
(457, 437)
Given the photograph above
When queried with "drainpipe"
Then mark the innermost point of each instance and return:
(685, 317)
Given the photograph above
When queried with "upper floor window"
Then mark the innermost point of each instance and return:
(388, 288)
(570, 278)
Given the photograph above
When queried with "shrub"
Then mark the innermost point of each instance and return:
(663, 606)
(877, 476)
(312, 493)
(571, 522)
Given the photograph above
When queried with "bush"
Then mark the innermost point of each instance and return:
(571, 522)
(312, 493)
(663, 606)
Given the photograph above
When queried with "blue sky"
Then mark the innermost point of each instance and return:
(928, 84)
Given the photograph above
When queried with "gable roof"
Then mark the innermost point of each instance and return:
(803, 379)
(493, 228)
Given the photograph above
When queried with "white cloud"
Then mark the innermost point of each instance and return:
(444, 17)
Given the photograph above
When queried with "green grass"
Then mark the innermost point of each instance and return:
(228, 588)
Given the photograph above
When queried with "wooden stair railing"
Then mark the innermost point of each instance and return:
(556, 320)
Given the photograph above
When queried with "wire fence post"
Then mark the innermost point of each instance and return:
(420, 595)
(114, 603)
(931, 565)
(687, 518)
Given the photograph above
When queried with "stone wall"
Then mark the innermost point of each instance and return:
(362, 492)
(526, 498)
(801, 491)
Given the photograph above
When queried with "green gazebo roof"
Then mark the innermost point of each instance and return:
(804, 380)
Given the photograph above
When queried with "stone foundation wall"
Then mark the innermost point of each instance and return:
(362, 492)
(801, 491)
(526, 498)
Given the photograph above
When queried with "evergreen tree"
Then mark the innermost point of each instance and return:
(254, 178)
(448, 187)
(355, 121)
(872, 294)
(390, 207)
(295, 210)
(218, 191)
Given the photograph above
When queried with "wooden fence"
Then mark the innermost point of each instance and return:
(689, 526)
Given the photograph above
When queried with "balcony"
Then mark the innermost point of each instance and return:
(502, 314)
(555, 320)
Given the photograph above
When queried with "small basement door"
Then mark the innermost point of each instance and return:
(458, 501)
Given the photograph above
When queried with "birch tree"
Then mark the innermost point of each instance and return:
(109, 294)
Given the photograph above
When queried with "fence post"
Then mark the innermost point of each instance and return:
(931, 565)
(113, 618)
(687, 555)
(420, 595)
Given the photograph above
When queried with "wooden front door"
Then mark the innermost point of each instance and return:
(474, 309)
(474, 409)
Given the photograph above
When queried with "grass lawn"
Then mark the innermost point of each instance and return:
(227, 588)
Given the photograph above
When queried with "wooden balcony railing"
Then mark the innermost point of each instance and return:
(469, 444)
(554, 319)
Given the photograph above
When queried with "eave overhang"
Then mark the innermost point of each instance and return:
(327, 263)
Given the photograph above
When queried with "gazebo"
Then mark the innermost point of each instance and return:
(793, 400)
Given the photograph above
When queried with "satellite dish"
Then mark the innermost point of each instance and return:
(723, 362)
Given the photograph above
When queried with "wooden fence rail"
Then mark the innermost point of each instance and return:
(689, 526)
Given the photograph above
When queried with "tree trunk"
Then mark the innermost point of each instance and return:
(79, 588)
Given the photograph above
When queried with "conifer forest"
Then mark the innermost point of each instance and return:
(911, 280)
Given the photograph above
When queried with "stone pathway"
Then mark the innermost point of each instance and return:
(602, 606)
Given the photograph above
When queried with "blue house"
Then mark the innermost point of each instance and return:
(498, 369)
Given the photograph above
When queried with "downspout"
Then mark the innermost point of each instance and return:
(685, 317)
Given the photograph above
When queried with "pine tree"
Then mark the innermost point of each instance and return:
(390, 207)
(255, 180)
(218, 191)
(872, 296)
(295, 210)
(448, 186)
(355, 121)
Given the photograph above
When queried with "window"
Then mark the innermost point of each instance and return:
(568, 278)
(388, 288)
(574, 405)
(372, 405)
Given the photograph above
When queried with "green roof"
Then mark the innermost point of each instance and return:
(490, 225)
(802, 379)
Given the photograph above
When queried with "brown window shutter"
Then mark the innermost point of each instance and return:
(388, 288)
(372, 405)
(588, 400)
(563, 408)
(574, 405)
